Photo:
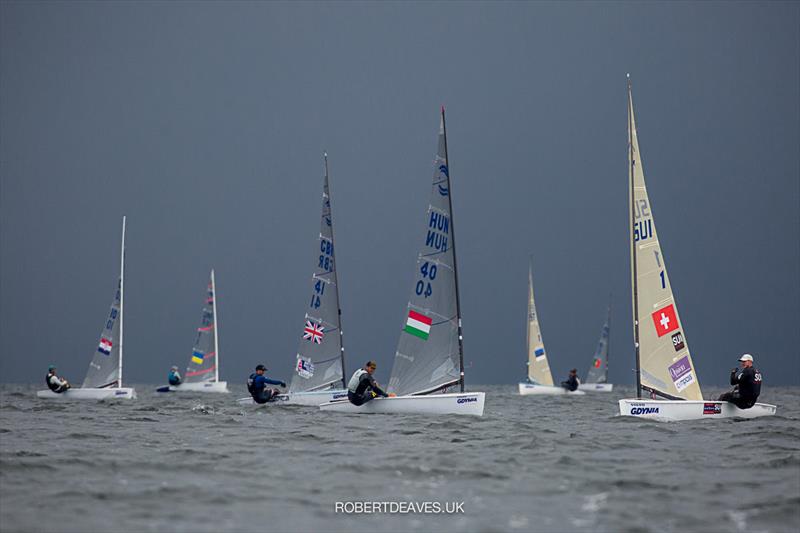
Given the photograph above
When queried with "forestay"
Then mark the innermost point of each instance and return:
(104, 370)
(320, 356)
(428, 357)
(598, 371)
(203, 363)
(538, 367)
(665, 365)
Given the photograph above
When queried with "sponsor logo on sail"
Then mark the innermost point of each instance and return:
(305, 368)
(712, 408)
(681, 373)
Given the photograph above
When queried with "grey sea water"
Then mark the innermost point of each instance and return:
(203, 463)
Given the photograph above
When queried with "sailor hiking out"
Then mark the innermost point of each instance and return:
(363, 387)
(257, 386)
(55, 383)
(746, 384)
(174, 377)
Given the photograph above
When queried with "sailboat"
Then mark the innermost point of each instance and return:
(202, 373)
(664, 367)
(103, 380)
(429, 359)
(319, 364)
(540, 379)
(597, 376)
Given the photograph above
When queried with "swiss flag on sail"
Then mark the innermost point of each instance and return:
(664, 320)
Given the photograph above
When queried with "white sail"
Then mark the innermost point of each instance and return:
(428, 357)
(204, 362)
(665, 364)
(319, 363)
(538, 366)
(105, 370)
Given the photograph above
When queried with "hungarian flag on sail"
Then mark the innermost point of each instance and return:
(313, 332)
(105, 346)
(197, 357)
(665, 320)
(418, 325)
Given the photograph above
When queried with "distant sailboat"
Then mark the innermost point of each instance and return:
(664, 366)
(597, 376)
(319, 363)
(540, 379)
(429, 358)
(202, 372)
(104, 378)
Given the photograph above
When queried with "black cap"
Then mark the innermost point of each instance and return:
(261, 367)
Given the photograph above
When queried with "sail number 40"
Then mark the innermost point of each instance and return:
(428, 270)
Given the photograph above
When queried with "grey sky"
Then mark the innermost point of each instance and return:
(205, 124)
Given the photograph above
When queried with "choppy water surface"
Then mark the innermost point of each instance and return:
(202, 463)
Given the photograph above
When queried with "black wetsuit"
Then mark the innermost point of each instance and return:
(364, 390)
(257, 387)
(571, 384)
(746, 388)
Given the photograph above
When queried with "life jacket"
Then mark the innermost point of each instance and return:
(52, 386)
(352, 385)
(251, 385)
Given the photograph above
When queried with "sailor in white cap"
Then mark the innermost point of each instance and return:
(746, 384)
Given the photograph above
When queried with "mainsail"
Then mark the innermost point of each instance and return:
(538, 367)
(429, 352)
(105, 370)
(320, 356)
(204, 361)
(664, 365)
(598, 371)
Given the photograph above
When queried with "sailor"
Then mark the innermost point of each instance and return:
(572, 382)
(174, 376)
(746, 384)
(55, 383)
(362, 387)
(257, 386)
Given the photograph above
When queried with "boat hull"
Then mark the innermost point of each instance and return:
(668, 410)
(312, 399)
(596, 387)
(208, 386)
(527, 389)
(122, 393)
(467, 403)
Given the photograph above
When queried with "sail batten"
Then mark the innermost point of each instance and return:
(319, 362)
(664, 363)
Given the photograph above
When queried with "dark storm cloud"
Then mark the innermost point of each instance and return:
(205, 124)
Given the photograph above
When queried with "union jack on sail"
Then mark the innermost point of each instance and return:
(313, 332)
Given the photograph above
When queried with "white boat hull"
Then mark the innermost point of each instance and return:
(122, 393)
(526, 389)
(666, 410)
(313, 398)
(596, 387)
(208, 386)
(467, 403)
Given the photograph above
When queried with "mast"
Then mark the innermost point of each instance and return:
(335, 275)
(608, 339)
(634, 272)
(216, 319)
(455, 262)
(121, 299)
